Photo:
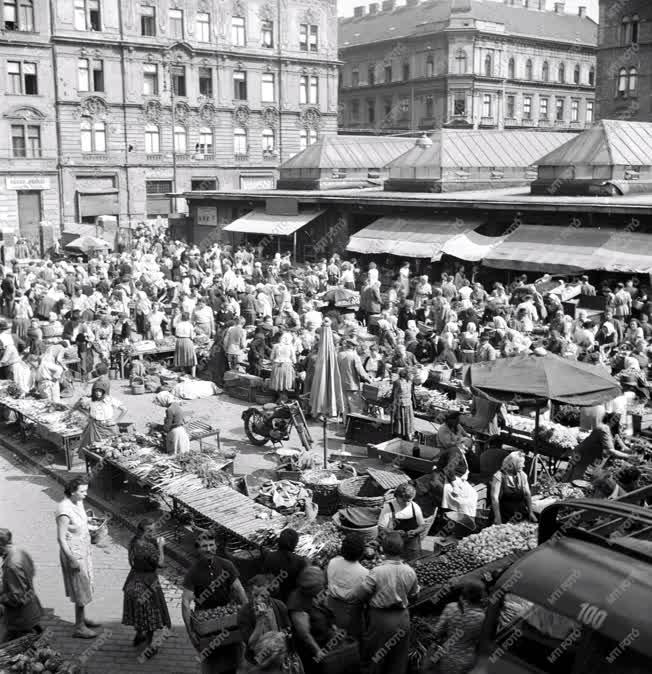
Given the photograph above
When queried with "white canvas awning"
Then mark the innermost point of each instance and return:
(260, 222)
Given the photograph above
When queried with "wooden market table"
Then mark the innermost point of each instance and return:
(29, 418)
(123, 358)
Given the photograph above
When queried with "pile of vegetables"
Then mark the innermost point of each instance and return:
(568, 415)
(490, 545)
(548, 487)
(431, 401)
(205, 614)
(422, 641)
(560, 436)
(42, 661)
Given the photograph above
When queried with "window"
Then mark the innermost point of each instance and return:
(459, 105)
(575, 110)
(180, 139)
(387, 107)
(589, 112)
(577, 75)
(371, 112)
(178, 74)
(406, 71)
(267, 34)
(543, 108)
(87, 15)
(206, 82)
(355, 78)
(461, 62)
(371, 75)
(486, 105)
(307, 137)
(90, 75)
(511, 107)
(268, 141)
(308, 37)
(239, 141)
(308, 89)
(147, 20)
(267, 88)
(632, 80)
(238, 38)
(529, 70)
(355, 110)
(430, 107)
(93, 136)
(150, 79)
(430, 67)
(561, 73)
(624, 29)
(545, 71)
(205, 145)
(622, 81)
(488, 66)
(388, 73)
(633, 30)
(240, 85)
(176, 24)
(559, 107)
(511, 69)
(404, 106)
(152, 139)
(25, 140)
(527, 107)
(203, 27)
(19, 15)
(592, 76)
(22, 78)
(14, 77)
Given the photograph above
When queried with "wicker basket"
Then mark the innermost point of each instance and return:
(362, 491)
(365, 534)
(51, 330)
(21, 646)
(326, 496)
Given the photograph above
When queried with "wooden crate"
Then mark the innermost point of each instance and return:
(243, 393)
(399, 452)
(214, 626)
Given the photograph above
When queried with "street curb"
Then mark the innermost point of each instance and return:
(171, 551)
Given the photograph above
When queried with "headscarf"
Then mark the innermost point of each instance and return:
(101, 385)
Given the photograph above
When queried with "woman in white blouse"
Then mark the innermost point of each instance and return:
(103, 414)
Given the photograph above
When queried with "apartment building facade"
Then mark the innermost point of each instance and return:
(466, 63)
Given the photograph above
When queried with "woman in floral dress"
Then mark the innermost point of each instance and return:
(144, 604)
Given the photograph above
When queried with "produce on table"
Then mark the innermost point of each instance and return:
(43, 661)
(489, 545)
(218, 612)
(548, 487)
(560, 436)
(432, 401)
(520, 423)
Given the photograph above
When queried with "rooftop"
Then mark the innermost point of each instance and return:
(404, 21)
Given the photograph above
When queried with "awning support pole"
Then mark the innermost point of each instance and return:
(294, 248)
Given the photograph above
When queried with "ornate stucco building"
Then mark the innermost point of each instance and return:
(140, 99)
(624, 62)
(466, 63)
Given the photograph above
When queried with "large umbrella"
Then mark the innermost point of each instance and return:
(544, 376)
(88, 243)
(342, 297)
(326, 392)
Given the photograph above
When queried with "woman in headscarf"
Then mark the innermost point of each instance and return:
(283, 358)
(35, 342)
(510, 491)
(103, 413)
(402, 409)
(104, 338)
(22, 315)
(49, 373)
(185, 356)
(470, 339)
(177, 440)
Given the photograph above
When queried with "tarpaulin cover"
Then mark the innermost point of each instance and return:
(542, 376)
(259, 222)
(471, 246)
(626, 252)
(409, 237)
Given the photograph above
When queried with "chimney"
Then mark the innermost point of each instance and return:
(388, 5)
(559, 8)
(373, 8)
(581, 11)
(359, 11)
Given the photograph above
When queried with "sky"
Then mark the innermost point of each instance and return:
(345, 7)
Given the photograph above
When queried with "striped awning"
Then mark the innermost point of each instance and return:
(260, 222)
(409, 237)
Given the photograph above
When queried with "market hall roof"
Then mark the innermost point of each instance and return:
(422, 19)
(610, 142)
(349, 152)
(480, 148)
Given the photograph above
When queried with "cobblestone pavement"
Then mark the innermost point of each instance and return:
(27, 504)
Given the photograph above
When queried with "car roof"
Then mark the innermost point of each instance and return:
(563, 574)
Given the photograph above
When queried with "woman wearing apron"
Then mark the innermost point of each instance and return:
(510, 491)
(403, 515)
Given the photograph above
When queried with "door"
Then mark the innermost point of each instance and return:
(29, 216)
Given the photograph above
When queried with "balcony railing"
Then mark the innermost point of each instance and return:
(487, 121)
(270, 155)
(561, 122)
(94, 156)
(154, 156)
(511, 121)
(241, 157)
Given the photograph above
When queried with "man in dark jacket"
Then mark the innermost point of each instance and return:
(258, 351)
(370, 300)
(284, 565)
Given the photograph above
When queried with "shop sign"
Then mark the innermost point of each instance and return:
(260, 182)
(207, 216)
(28, 182)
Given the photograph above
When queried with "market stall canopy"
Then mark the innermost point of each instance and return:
(410, 237)
(88, 243)
(471, 246)
(626, 252)
(260, 222)
(547, 248)
(548, 376)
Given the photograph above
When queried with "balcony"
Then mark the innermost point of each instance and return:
(154, 156)
(561, 122)
(241, 157)
(94, 156)
(487, 121)
(204, 156)
(270, 155)
(511, 121)
(544, 122)
(528, 121)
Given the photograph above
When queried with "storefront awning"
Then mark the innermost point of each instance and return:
(259, 222)
(626, 252)
(471, 246)
(409, 237)
(551, 249)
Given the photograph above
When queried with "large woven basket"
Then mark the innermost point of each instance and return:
(365, 534)
(362, 491)
(326, 496)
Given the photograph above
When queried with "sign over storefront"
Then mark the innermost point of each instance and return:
(28, 182)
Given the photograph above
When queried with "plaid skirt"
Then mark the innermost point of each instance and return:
(184, 353)
(144, 605)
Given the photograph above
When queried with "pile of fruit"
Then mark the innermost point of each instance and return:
(560, 436)
(548, 487)
(489, 545)
(42, 661)
(202, 615)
